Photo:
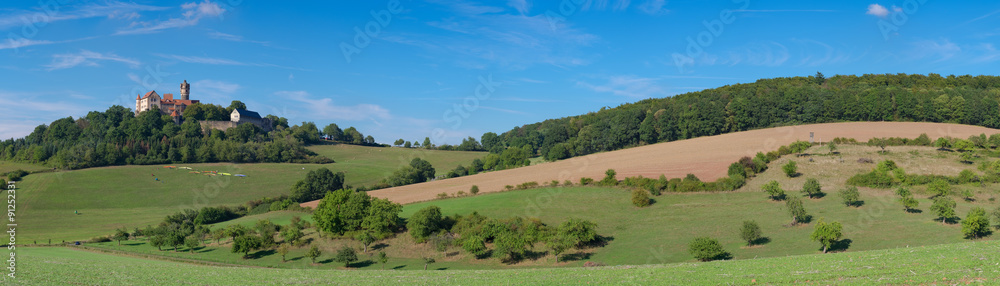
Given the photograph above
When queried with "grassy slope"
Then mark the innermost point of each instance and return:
(6, 167)
(947, 264)
(112, 197)
(661, 232)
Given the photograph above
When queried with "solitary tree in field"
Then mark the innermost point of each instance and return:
(474, 190)
(313, 253)
(428, 261)
(943, 208)
(967, 195)
(976, 224)
(121, 234)
(707, 249)
(826, 233)
(283, 251)
(851, 196)
(774, 190)
(398, 142)
(346, 255)
(791, 169)
(382, 259)
(750, 232)
(909, 203)
(879, 142)
(812, 188)
(832, 146)
(796, 210)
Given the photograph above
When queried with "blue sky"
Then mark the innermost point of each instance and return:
(457, 68)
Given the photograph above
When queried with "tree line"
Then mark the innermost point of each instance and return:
(765, 103)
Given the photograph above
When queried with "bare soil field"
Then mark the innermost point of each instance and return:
(706, 157)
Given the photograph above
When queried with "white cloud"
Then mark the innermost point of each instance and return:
(877, 10)
(24, 111)
(325, 108)
(219, 61)
(653, 7)
(192, 13)
(20, 43)
(87, 58)
(601, 5)
(235, 38)
(628, 85)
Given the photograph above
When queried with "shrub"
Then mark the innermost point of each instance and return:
(796, 210)
(567, 183)
(812, 188)
(586, 181)
(851, 197)
(774, 190)
(707, 249)
(976, 224)
(640, 198)
(474, 190)
(939, 188)
(424, 222)
(16, 175)
(790, 169)
(750, 232)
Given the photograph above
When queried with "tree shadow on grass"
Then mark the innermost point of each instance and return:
(599, 241)
(261, 254)
(442, 268)
(204, 249)
(485, 254)
(378, 246)
(820, 195)
(575, 256)
(913, 211)
(761, 241)
(296, 259)
(132, 244)
(840, 245)
(361, 264)
(325, 261)
(400, 267)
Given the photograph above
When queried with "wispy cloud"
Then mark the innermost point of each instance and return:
(601, 5)
(522, 6)
(653, 7)
(214, 90)
(191, 14)
(628, 85)
(325, 108)
(23, 111)
(503, 110)
(938, 50)
(109, 9)
(235, 38)
(218, 61)
(481, 38)
(990, 14)
(87, 58)
(785, 11)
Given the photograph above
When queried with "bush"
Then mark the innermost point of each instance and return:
(976, 224)
(586, 181)
(851, 197)
(100, 239)
(750, 232)
(640, 198)
(939, 188)
(812, 188)
(774, 190)
(609, 178)
(474, 190)
(424, 222)
(791, 169)
(707, 249)
(16, 175)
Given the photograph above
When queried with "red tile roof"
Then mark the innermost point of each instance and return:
(168, 96)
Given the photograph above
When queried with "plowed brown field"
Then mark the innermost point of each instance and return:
(706, 157)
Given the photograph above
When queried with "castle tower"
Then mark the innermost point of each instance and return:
(185, 90)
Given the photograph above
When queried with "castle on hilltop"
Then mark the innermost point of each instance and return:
(168, 105)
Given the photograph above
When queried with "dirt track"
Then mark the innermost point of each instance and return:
(706, 157)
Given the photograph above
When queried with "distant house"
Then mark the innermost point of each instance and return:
(240, 116)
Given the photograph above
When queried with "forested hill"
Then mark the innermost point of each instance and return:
(762, 104)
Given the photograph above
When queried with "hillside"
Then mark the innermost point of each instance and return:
(134, 196)
(705, 157)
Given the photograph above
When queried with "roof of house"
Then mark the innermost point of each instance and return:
(168, 96)
(150, 93)
(246, 113)
(174, 114)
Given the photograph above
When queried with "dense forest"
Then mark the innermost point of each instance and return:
(762, 104)
(117, 137)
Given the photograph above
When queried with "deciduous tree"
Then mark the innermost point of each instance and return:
(826, 233)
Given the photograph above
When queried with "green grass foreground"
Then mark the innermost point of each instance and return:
(971, 262)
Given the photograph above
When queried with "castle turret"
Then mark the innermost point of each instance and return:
(185, 90)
